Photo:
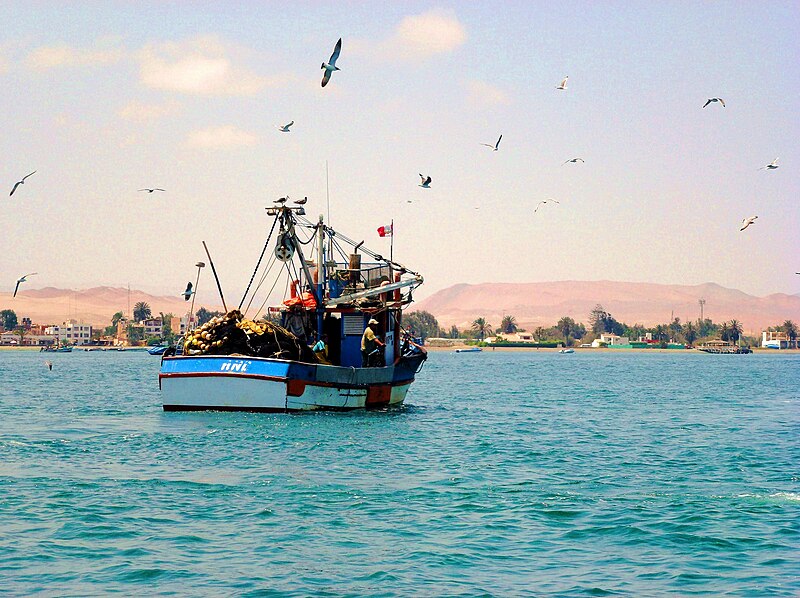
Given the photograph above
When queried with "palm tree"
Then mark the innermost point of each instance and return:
(509, 324)
(482, 327)
(689, 333)
(724, 332)
(790, 329)
(539, 333)
(116, 318)
(141, 311)
(735, 331)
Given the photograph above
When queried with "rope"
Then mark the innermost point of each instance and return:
(273, 260)
(261, 257)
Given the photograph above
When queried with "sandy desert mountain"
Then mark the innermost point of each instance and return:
(92, 306)
(543, 303)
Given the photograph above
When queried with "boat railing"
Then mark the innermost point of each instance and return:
(368, 276)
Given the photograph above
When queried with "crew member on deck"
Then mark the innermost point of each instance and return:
(321, 350)
(369, 342)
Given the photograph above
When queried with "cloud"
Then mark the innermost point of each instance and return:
(200, 66)
(47, 57)
(426, 35)
(485, 95)
(226, 136)
(141, 112)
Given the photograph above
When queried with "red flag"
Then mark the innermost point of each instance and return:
(385, 231)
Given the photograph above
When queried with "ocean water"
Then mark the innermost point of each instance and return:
(505, 474)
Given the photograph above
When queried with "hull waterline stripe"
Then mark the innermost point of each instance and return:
(278, 379)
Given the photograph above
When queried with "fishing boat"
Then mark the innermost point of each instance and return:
(236, 363)
(469, 350)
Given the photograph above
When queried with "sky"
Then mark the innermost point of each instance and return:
(105, 98)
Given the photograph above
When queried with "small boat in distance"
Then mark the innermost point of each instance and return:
(469, 350)
(567, 351)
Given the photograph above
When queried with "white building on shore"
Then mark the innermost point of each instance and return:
(777, 339)
(71, 333)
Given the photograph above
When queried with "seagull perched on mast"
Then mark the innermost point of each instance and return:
(426, 181)
(709, 100)
(574, 160)
(20, 182)
(771, 166)
(747, 222)
(281, 200)
(151, 190)
(330, 66)
(563, 84)
(284, 128)
(301, 202)
(544, 201)
(188, 292)
(20, 280)
(496, 146)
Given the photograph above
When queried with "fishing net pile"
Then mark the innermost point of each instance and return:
(233, 334)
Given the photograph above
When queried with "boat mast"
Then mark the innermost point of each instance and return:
(321, 275)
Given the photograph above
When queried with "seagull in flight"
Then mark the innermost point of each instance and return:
(544, 201)
(747, 222)
(151, 190)
(18, 183)
(284, 128)
(426, 181)
(496, 146)
(563, 84)
(301, 202)
(771, 166)
(281, 200)
(709, 100)
(20, 280)
(574, 160)
(330, 66)
(187, 294)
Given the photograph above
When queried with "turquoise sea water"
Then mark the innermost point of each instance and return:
(504, 474)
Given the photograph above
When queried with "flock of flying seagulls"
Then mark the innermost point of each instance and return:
(425, 181)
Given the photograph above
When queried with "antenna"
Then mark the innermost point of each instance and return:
(327, 192)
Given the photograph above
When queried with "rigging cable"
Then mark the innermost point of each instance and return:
(272, 261)
(261, 257)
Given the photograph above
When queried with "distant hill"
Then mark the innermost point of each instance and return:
(543, 303)
(92, 306)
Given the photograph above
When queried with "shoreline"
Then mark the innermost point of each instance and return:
(452, 349)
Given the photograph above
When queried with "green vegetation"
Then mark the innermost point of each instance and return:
(203, 315)
(9, 319)
(141, 311)
(423, 324)
(508, 325)
(481, 327)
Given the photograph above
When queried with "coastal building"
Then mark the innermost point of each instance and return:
(71, 333)
(777, 339)
(28, 340)
(179, 325)
(153, 327)
(609, 340)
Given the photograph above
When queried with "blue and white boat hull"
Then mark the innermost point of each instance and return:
(229, 383)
